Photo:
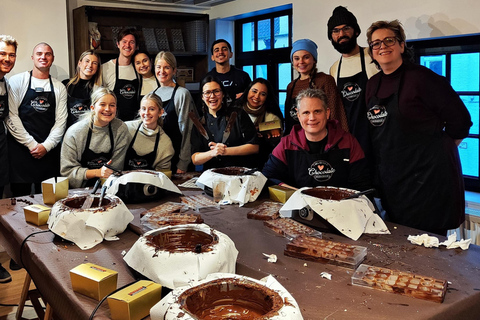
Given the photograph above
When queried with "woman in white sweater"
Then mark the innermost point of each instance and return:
(93, 141)
(150, 148)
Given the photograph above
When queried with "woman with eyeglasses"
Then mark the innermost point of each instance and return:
(304, 61)
(259, 101)
(225, 136)
(177, 103)
(416, 122)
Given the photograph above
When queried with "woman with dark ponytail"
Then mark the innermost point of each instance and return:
(304, 61)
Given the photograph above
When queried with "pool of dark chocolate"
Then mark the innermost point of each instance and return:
(182, 240)
(231, 299)
(328, 193)
(230, 171)
(77, 202)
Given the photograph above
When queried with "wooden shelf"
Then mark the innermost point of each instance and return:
(193, 29)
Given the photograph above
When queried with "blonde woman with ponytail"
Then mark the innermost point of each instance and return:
(93, 141)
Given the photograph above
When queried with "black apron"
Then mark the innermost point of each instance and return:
(170, 126)
(320, 169)
(94, 160)
(3, 136)
(133, 161)
(352, 90)
(37, 113)
(128, 93)
(291, 117)
(76, 108)
(418, 175)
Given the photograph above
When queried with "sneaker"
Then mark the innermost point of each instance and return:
(14, 266)
(4, 275)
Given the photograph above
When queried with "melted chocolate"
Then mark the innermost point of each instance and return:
(230, 171)
(182, 240)
(223, 299)
(75, 203)
(142, 171)
(329, 193)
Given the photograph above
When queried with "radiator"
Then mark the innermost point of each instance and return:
(470, 229)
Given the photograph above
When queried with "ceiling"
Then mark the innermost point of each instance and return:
(199, 4)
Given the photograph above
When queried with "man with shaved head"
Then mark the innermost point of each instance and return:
(36, 122)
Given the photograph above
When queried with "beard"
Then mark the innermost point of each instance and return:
(347, 46)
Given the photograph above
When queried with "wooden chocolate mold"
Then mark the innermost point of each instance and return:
(404, 283)
(198, 201)
(175, 218)
(266, 211)
(319, 250)
(167, 207)
(169, 213)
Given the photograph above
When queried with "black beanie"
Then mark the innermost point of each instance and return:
(341, 16)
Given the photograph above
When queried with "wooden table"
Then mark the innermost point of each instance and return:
(48, 260)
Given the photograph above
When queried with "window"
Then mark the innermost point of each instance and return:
(263, 45)
(458, 59)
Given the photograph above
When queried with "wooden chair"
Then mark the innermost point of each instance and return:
(34, 296)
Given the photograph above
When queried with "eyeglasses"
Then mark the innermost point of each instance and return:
(388, 42)
(207, 94)
(344, 29)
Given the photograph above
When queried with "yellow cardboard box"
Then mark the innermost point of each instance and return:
(267, 128)
(279, 193)
(93, 281)
(269, 125)
(36, 214)
(54, 189)
(135, 301)
(168, 173)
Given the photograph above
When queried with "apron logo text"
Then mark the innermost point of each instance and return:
(321, 170)
(377, 115)
(138, 163)
(40, 104)
(128, 91)
(96, 163)
(79, 109)
(351, 91)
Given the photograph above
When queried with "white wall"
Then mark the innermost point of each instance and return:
(31, 22)
(421, 19)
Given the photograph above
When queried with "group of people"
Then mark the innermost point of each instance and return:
(376, 120)
(404, 121)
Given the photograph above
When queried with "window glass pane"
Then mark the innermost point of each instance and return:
(249, 70)
(284, 75)
(465, 76)
(261, 70)
(280, 32)
(281, 101)
(248, 37)
(472, 103)
(468, 150)
(264, 38)
(435, 63)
